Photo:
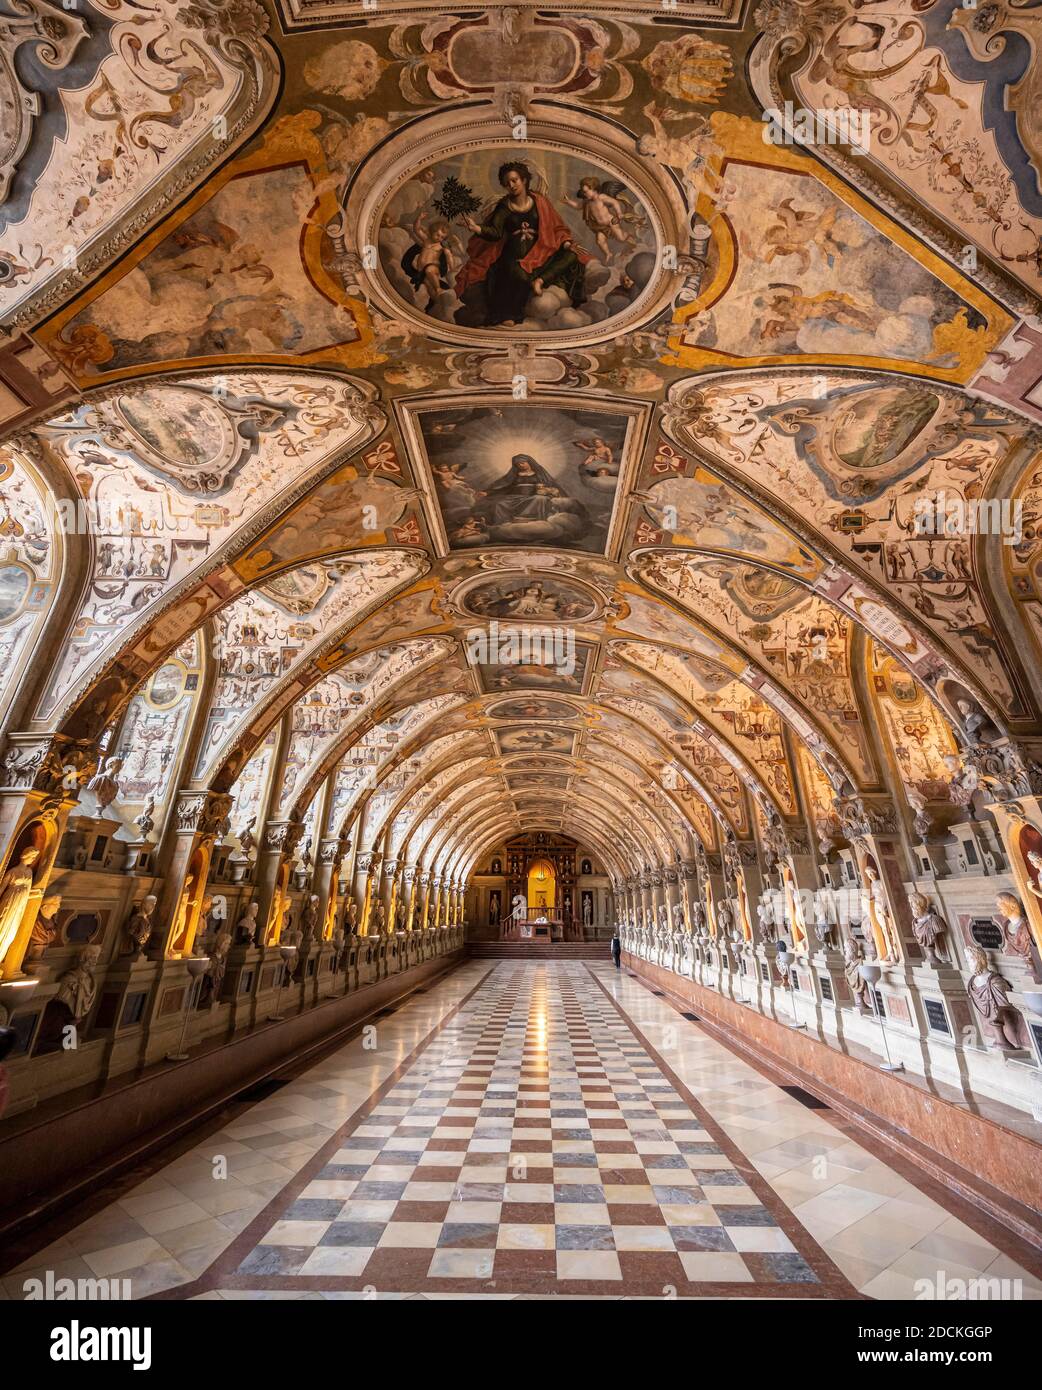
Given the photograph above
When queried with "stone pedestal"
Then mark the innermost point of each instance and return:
(121, 1013)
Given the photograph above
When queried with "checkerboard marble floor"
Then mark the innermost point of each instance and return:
(527, 1130)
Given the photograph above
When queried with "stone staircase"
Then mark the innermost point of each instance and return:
(539, 950)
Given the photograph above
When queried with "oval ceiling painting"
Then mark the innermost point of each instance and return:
(547, 243)
(528, 597)
(177, 427)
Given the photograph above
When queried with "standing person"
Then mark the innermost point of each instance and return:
(616, 950)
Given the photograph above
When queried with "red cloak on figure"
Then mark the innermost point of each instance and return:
(553, 233)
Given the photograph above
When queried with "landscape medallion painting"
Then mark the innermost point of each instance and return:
(541, 244)
(526, 475)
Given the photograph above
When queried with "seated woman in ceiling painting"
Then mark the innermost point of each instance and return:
(521, 249)
(526, 504)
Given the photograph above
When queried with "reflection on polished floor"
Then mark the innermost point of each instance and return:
(522, 1130)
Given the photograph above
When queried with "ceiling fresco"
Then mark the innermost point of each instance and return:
(480, 421)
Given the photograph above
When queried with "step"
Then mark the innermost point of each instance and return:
(542, 950)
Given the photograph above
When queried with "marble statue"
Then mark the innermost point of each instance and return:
(987, 991)
(401, 913)
(351, 917)
(724, 919)
(379, 920)
(145, 823)
(247, 926)
(765, 917)
(215, 971)
(1014, 924)
(138, 928)
(922, 822)
(963, 782)
(246, 836)
(876, 912)
(698, 919)
(104, 785)
(78, 987)
(308, 926)
(852, 960)
(928, 927)
(678, 917)
(45, 928)
(15, 887)
(179, 931)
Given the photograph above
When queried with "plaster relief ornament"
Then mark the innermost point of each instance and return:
(104, 785)
(987, 991)
(928, 928)
(78, 987)
(45, 929)
(139, 927)
(15, 887)
(248, 925)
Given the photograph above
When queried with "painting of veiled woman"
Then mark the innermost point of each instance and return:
(515, 474)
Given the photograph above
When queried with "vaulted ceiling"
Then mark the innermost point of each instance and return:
(352, 348)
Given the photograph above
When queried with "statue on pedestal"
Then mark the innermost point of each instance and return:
(15, 887)
(104, 785)
(247, 926)
(401, 914)
(351, 917)
(45, 929)
(1015, 926)
(987, 991)
(145, 823)
(927, 927)
(138, 929)
(852, 959)
(379, 920)
(78, 988)
(877, 913)
(218, 965)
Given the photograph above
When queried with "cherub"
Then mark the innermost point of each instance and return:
(795, 232)
(431, 262)
(604, 211)
(599, 461)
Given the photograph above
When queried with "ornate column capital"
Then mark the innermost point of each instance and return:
(390, 867)
(48, 763)
(202, 813)
(366, 860)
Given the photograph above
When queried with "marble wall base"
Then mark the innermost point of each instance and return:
(998, 1157)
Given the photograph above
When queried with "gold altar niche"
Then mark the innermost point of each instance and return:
(540, 869)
